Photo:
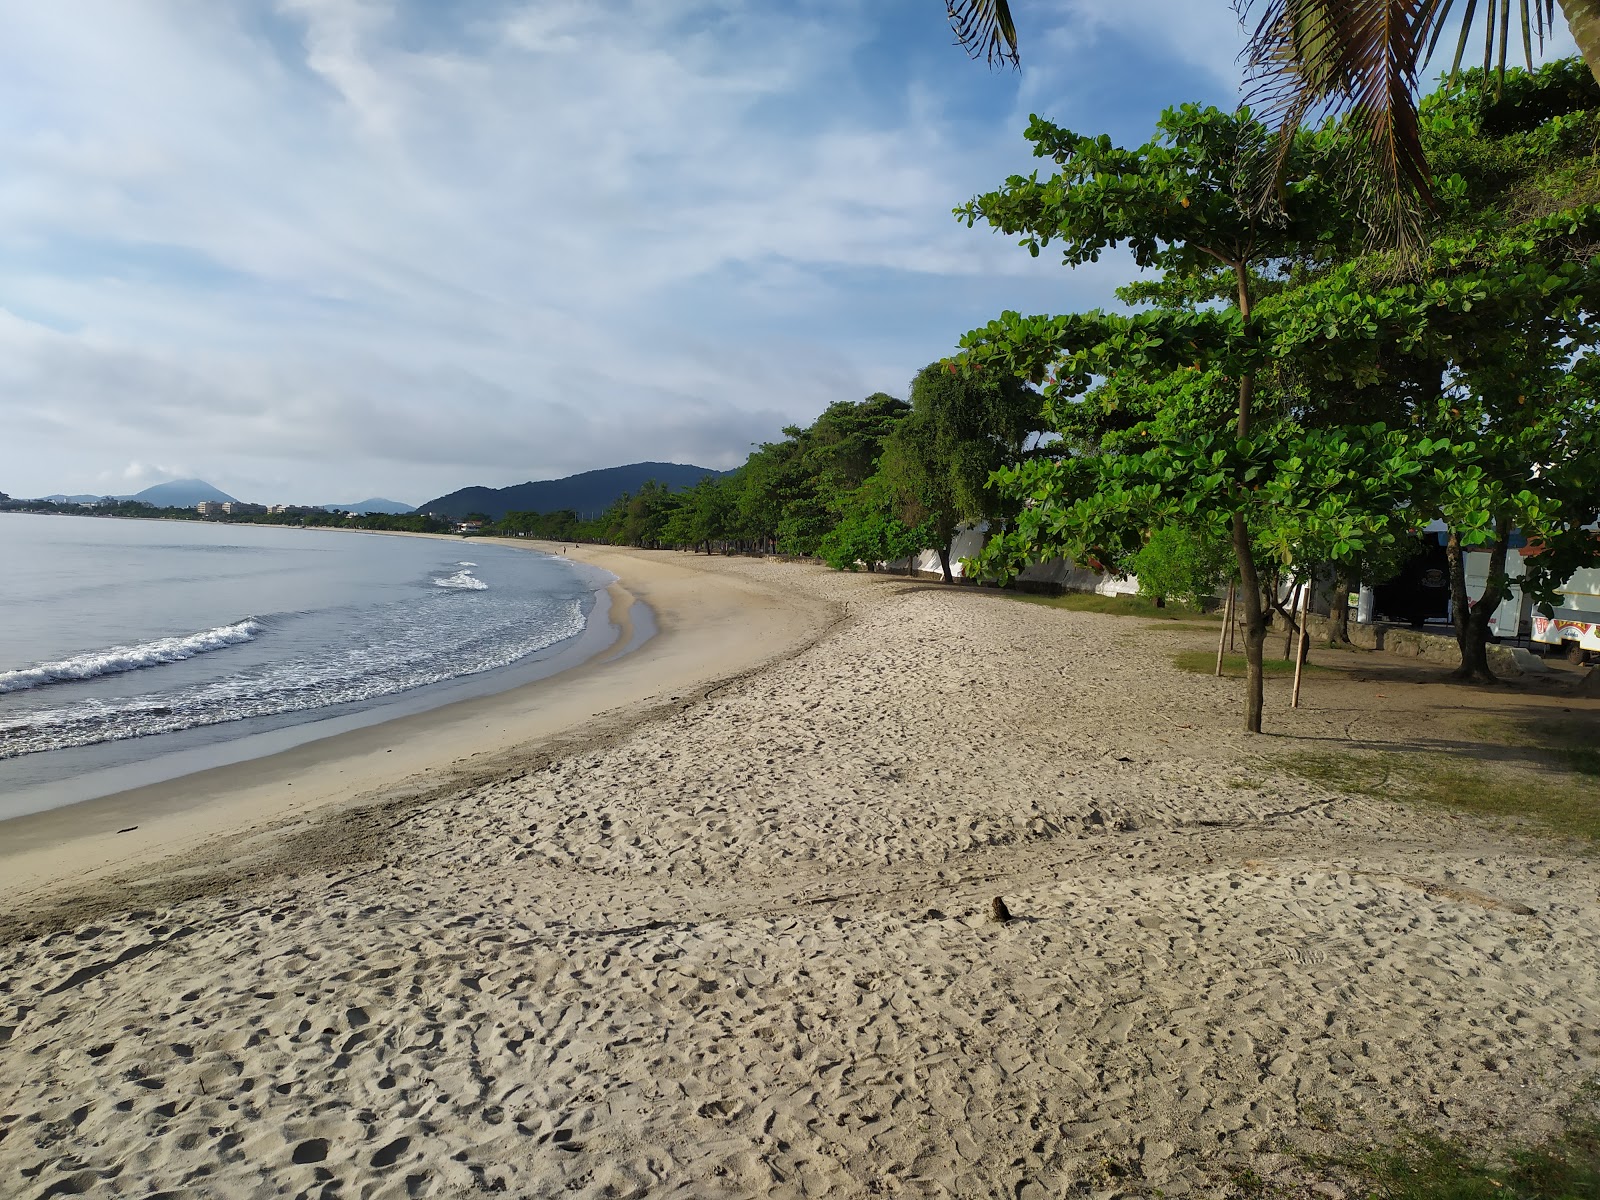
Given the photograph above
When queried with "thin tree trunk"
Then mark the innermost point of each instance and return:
(1460, 603)
(1255, 624)
(1583, 18)
(1255, 620)
(1289, 626)
(944, 564)
(1339, 607)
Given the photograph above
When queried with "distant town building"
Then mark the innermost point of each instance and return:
(238, 508)
(210, 508)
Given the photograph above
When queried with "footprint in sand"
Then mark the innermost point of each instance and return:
(387, 1156)
(312, 1150)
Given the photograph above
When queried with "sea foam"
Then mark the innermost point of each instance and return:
(464, 579)
(118, 659)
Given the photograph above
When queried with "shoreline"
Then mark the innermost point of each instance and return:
(734, 938)
(171, 756)
(235, 818)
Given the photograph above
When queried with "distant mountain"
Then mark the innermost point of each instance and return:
(175, 493)
(377, 504)
(586, 494)
(179, 493)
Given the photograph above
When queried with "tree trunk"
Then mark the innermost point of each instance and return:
(1255, 624)
(1339, 606)
(1583, 18)
(1460, 604)
(1473, 634)
(944, 564)
(1255, 620)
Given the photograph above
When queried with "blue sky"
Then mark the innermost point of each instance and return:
(318, 250)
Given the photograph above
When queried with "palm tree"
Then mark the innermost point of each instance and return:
(1364, 57)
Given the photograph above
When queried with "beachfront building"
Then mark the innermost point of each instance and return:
(239, 508)
(210, 508)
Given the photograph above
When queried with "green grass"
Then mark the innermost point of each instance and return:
(1566, 1167)
(1118, 606)
(1584, 760)
(1560, 801)
(1204, 662)
(1566, 741)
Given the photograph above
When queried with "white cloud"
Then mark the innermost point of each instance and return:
(328, 230)
(392, 246)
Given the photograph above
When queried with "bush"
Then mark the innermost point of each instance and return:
(1178, 564)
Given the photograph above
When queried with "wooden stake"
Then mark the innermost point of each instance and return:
(1289, 609)
(1226, 636)
(1300, 655)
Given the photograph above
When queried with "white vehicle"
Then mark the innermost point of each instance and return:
(1575, 623)
(1511, 615)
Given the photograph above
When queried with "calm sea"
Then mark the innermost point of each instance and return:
(125, 640)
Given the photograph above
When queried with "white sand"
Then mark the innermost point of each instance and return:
(735, 945)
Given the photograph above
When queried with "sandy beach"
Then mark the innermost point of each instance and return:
(711, 919)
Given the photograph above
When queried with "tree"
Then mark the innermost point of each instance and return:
(939, 459)
(872, 529)
(1503, 306)
(643, 516)
(791, 491)
(1201, 444)
(1181, 564)
(703, 515)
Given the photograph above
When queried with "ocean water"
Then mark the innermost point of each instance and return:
(122, 640)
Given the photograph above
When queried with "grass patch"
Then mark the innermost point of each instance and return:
(1204, 662)
(1584, 760)
(1118, 606)
(1560, 801)
(1566, 1167)
(1568, 742)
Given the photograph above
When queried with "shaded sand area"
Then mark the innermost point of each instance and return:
(733, 942)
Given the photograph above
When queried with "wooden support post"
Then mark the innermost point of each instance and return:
(1289, 610)
(1302, 648)
(1225, 637)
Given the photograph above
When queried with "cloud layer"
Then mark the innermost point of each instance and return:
(318, 247)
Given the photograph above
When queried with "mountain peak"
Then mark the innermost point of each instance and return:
(179, 493)
(587, 493)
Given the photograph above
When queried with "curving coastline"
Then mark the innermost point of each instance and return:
(227, 821)
(733, 938)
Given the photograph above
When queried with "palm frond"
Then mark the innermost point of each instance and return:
(1357, 56)
(1537, 21)
(1364, 57)
(983, 28)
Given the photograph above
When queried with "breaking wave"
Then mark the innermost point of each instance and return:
(405, 653)
(464, 580)
(118, 659)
